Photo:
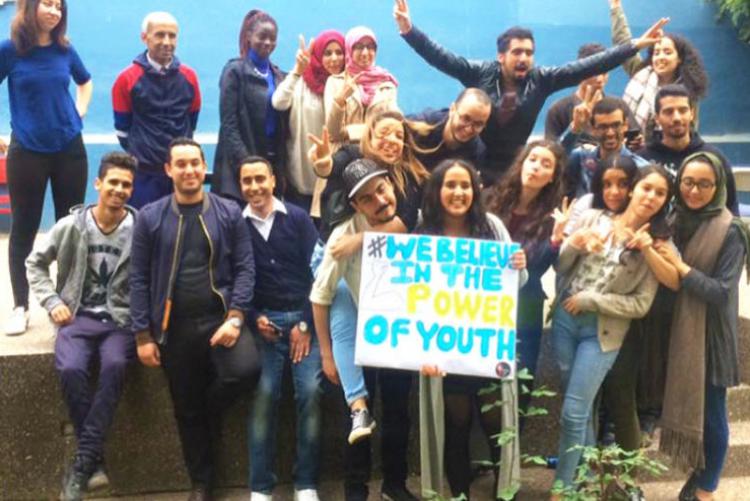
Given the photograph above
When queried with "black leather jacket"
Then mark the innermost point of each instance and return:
(503, 141)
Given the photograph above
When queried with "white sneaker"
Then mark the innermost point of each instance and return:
(18, 322)
(306, 495)
(260, 496)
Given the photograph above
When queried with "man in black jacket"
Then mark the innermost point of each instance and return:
(674, 114)
(456, 129)
(518, 89)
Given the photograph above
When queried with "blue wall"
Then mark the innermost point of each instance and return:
(106, 34)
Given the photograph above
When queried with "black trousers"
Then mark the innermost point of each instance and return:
(203, 382)
(395, 387)
(28, 172)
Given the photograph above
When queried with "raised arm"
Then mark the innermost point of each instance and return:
(572, 73)
(467, 72)
(621, 34)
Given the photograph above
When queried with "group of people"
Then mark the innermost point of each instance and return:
(636, 213)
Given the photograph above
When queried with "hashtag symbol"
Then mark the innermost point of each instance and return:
(375, 248)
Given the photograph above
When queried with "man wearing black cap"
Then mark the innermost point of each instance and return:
(370, 192)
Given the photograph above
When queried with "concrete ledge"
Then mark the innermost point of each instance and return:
(142, 452)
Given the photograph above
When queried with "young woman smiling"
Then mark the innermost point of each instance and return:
(362, 91)
(605, 281)
(45, 143)
(301, 93)
(671, 60)
(452, 208)
(703, 359)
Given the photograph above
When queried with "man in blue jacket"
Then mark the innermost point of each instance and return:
(89, 306)
(191, 284)
(517, 88)
(155, 99)
(284, 237)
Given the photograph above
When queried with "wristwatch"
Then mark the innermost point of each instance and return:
(303, 328)
(235, 322)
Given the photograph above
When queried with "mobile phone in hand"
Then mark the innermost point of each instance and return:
(276, 328)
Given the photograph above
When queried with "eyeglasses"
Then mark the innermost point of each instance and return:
(703, 184)
(466, 121)
(606, 127)
(362, 46)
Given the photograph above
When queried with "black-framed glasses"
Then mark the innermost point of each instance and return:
(702, 184)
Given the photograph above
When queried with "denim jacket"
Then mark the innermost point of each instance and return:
(157, 242)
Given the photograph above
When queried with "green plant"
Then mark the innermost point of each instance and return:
(607, 474)
(738, 12)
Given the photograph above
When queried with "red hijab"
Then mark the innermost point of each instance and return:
(315, 74)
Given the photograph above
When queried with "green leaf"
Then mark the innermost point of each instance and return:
(524, 375)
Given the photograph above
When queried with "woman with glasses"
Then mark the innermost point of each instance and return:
(361, 91)
(703, 358)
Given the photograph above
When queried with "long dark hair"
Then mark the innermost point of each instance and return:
(691, 72)
(249, 24)
(660, 227)
(504, 196)
(24, 30)
(616, 162)
(432, 208)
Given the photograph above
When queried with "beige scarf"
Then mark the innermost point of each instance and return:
(682, 419)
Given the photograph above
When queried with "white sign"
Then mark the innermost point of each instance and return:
(429, 300)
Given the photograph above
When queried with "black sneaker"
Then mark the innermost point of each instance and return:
(396, 493)
(687, 493)
(362, 425)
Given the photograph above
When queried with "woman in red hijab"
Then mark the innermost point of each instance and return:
(301, 93)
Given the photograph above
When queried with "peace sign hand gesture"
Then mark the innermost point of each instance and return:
(402, 17)
(582, 112)
(350, 86)
(652, 35)
(320, 153)
(561, 216)
(641, 239)
(302, 59)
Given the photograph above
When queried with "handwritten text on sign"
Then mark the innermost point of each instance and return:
(442, 301)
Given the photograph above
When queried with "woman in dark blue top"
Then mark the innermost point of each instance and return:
(45, 141)
(249, 123)
(524, 199)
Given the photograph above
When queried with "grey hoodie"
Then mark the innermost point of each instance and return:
(67, 244)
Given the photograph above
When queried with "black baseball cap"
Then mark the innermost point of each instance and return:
(357, 173)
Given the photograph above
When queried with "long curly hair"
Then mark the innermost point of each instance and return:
(24, 30)
(409, 163)
(504, 196)
(433, 211)
(691, 72)
(249, 23)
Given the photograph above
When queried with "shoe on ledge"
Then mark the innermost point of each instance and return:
(17, 322)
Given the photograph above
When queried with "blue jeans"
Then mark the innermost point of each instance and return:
(715, 437)
(583, 366)
(343, 327)
(307, 376)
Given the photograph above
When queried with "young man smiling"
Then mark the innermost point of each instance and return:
(89, 306)
(282, 315)
(191, 284)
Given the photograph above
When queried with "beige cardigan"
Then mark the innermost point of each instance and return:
(345, 125)
(628, 294)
